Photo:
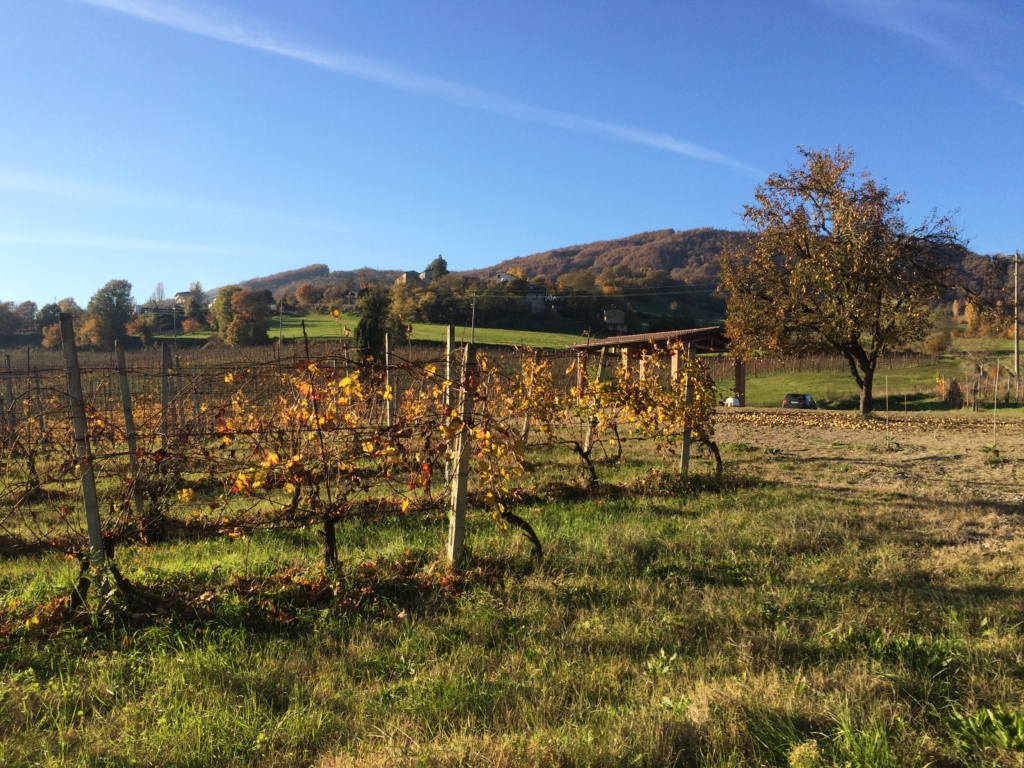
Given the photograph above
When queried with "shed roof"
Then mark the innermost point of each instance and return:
(704, 339)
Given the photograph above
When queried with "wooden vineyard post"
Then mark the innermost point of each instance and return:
(129, 431)
(684, 453)
(9, 399)
(85, 468)
(460, 457)
(177, 414)
(995, 404)
(581, 375)
(588, 444)
(40, 423)
(526, 416)
(449, 370)
(389, 391)
(165, 363)
(195, 401)
(449, 391)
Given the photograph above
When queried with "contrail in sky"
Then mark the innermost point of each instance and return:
(365, 68)
(948, 28)
(100, 241)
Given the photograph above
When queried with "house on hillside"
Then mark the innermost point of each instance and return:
(181, 298)
(615, 320)
(350, 299)
(426, 276)
(408, 278)
(534, 298)
(164, 305)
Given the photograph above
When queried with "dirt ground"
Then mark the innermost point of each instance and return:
(940, 466)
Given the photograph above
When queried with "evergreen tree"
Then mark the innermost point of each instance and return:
(377, 320)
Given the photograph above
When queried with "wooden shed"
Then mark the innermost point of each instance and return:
(630, 347)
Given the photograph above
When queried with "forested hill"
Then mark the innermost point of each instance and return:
(690, 256)
(318, 274)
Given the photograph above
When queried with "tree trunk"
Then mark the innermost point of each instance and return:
(867, 378)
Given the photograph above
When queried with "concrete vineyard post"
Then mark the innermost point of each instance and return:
(85, 459)
(460, 454)
(129, 429)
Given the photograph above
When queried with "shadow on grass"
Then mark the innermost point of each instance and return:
(287, 604)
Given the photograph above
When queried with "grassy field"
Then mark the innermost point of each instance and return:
(322, 327)
(848, 595)
(837, 389)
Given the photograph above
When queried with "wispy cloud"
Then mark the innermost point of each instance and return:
(44, 185)
(219, 27)
(110, 243)
(965, 35)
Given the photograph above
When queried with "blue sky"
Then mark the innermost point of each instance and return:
(172, 141)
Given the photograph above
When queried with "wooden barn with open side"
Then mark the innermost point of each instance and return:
(695, 340)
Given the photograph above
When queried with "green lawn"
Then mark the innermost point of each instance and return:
(762, 622)
(911, 388)
(320, 327)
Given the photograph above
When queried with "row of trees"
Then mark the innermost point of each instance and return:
(241, 316)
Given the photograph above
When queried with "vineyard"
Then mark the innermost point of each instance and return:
(181, 446)
(469, 557)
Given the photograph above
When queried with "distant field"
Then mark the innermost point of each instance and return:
(325, 327)
(837, 389)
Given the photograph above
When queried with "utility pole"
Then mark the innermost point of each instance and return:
(280, 322)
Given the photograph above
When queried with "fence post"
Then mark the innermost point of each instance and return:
(460, 455)
(389, 404)
(85, 468)
(129, 430)
(165, 363)
(684, 454)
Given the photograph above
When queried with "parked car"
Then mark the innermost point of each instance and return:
(799, 401)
